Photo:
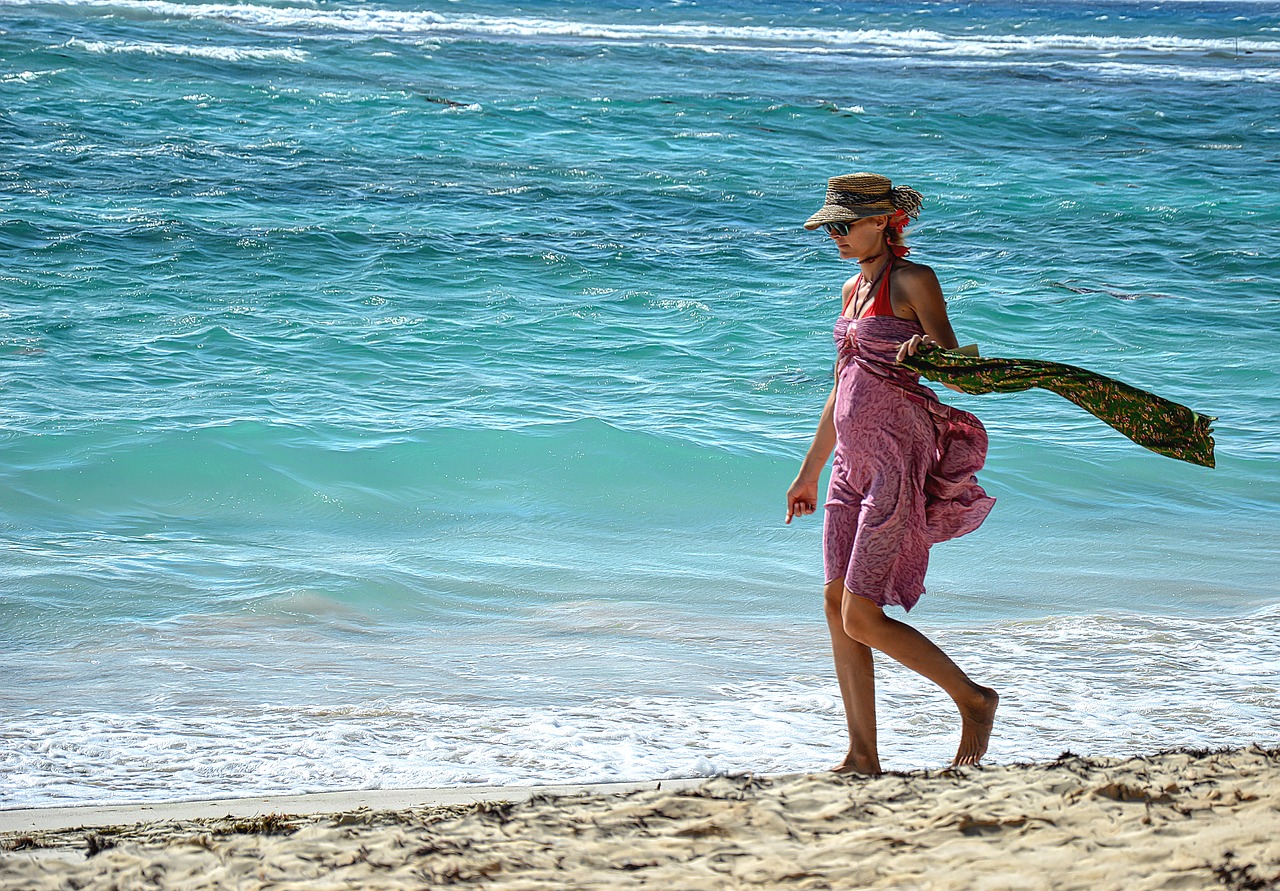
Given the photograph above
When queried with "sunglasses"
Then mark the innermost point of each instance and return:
(840, 229)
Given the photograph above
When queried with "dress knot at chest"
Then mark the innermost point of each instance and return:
(874, 341)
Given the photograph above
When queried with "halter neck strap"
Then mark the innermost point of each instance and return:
(879, 286)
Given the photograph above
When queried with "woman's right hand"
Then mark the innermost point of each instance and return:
(802, 498)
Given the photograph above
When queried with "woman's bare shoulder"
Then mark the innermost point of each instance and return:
(907, 271)
(916, 278)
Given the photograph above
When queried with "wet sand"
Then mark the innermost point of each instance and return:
(1172, 820)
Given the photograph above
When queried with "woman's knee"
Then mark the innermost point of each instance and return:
(833, 600)
(861, 619)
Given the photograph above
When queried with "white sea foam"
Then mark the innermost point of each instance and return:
(1210, 74)
(387, 22)
(1127, 70)
(19, 77)
(220, 53)
(1095, 685)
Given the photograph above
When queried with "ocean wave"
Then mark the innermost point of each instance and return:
(289, 470)
(905, 41)
(220, 53)
(27, 77)
(1213, 74)
(967, 55)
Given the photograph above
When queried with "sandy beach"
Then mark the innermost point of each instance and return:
(1171, 820)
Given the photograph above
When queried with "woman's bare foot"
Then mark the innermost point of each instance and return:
(853, 764)
(976, 720)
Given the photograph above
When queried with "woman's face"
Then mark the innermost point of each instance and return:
(864, 240)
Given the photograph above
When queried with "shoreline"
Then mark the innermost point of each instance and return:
(306, 804)
(1194, 819)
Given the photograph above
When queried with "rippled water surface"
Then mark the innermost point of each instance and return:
(405, 395)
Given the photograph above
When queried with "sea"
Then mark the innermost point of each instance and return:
(403, 394)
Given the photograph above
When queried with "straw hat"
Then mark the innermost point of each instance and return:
(857, 195)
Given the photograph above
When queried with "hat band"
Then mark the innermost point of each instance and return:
(856, 200)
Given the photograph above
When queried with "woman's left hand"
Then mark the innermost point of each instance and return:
(918, 343)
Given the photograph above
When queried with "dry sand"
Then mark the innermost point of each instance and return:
(1177, 820)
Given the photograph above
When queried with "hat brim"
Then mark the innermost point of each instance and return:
(835, 213)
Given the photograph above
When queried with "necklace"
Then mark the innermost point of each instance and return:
(861, 306)
(872, 259)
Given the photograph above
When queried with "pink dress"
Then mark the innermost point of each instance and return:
(903, 475)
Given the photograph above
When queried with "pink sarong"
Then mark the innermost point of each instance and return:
(903, 475)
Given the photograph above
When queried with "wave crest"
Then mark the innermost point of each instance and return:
(219, 53)
(878, 41)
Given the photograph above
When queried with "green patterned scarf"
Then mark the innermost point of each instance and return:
(1149, 420)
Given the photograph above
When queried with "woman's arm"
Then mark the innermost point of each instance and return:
(802, 497)
(923, 294)
(919, 289)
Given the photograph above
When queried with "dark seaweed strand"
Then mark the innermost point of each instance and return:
(1149, 420)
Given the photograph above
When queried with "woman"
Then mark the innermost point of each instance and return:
(903, 475)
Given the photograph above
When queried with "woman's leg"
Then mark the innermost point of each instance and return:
(856, 674)
(866, 623)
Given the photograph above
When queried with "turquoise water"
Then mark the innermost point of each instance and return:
(401, 396)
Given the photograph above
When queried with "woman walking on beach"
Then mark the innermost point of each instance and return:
(903, 475)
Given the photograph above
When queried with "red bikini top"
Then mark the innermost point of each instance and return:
(880, 304)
